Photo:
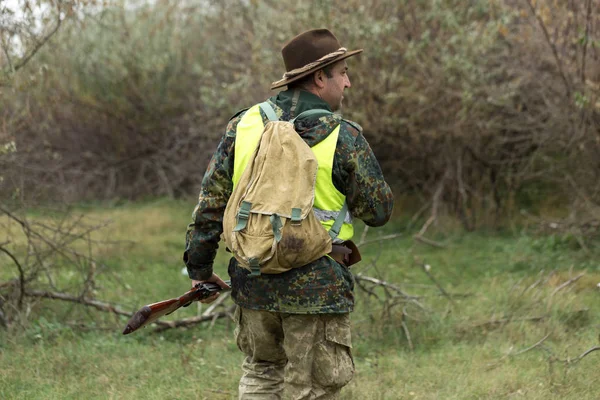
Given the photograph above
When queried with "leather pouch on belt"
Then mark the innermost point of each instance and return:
(354, 257)
(346, 254)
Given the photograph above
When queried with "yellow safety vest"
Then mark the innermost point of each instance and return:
(328, 200)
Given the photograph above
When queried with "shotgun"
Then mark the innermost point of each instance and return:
(151, 312)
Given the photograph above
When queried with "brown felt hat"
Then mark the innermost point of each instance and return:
(308, 52)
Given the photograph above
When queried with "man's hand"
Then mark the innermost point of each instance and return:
(214, 279)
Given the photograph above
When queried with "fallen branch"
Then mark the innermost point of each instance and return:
(569, 362)
(218, 391)
(585, 353)
(102, 306)
(429, 221)
(379, 239)
(99, 305)
(435, 203)
(21, 275)
(552, 45)
(385, 284)
(216, 304)
(430, 242)
(567, 283)
(366, 289)
(164, 325)
(530, 347)
(3, 321)
(505, 321)
(407, 333)
(539, 343)
(426, 268)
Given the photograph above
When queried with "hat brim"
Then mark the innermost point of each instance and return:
(285, 82)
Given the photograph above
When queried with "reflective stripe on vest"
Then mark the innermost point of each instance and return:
(328, 200)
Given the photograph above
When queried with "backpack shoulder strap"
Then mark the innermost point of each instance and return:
(269, 111)
(311, 113)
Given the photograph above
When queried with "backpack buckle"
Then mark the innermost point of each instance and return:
(242, 216)
(296, 216)
(254, 267)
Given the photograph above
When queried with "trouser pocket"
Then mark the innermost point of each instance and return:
(333, 365)
(240, 334)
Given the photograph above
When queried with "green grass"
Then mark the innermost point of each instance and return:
(461, 350)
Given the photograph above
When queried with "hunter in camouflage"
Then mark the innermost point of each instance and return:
(294, 327)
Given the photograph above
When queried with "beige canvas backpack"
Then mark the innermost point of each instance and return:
(269, 224)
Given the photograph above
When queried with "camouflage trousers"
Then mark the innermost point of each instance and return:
(293, 356)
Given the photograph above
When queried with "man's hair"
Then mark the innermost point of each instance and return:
(307, 81)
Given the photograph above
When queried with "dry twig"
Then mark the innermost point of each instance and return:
(379, 239)
(164, 325)
(407, 333)
(387, 285)
(21, 275)
(117, 310)
(435, 204)
(426, 268)
(504, 321)
(99, 305)
(552, 46)
(538, 343)
(567, 283)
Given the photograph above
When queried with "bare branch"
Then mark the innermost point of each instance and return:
(505, 321)
(435, 204)
(217, 303)
(426, 268)
(363, 236)
(379, 239)
(586, 39)
(407, 333)
(385, 284)
(21, 275)
(539, 343)
(99, 305)
(42, 42)
(552, 46)
(531, 347)
(585, 353)
(117, 310)
(7, 55)
(430, 242)
(164, 325)
(567, 283)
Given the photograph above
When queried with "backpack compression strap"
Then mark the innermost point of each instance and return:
(339, 221)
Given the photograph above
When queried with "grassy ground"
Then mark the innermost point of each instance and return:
(507, 289)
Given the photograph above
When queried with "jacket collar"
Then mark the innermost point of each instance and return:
(296, 101)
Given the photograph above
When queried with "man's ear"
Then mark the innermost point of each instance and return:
(319, 79)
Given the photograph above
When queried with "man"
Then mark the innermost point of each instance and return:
(294, 327)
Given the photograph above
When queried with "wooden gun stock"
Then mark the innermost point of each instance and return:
(151, 312)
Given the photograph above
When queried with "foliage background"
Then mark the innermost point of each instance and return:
(483, 111)
(476, 108)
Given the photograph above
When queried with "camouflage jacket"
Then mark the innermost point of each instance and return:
(323, 286)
